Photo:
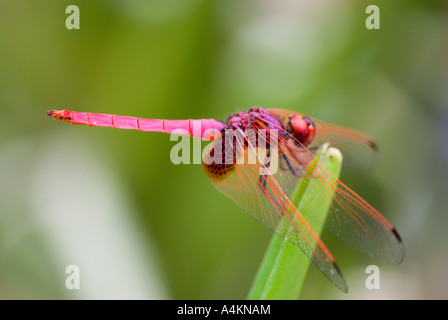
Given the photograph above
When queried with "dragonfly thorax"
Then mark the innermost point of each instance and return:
(257, 117)
(295, 126)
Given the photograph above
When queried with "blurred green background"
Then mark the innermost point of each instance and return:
(112, 203)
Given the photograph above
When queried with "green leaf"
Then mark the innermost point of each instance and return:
(284, 267)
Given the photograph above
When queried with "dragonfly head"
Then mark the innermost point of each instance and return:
(303, 128)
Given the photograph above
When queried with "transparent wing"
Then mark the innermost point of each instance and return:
(360, 150)
(266, 201)
(350, 217)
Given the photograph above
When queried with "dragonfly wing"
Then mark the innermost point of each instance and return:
(266, 201)
(350, 217)
(360, 150)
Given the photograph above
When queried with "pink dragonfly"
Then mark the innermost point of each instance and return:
(267, 197)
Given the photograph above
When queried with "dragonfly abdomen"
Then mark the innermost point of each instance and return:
(202, 128)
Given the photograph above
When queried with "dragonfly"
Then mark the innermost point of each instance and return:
(266, 195)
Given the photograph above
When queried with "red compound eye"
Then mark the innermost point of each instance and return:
(303, 128)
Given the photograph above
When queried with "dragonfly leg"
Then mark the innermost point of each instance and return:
(284, 158)
(290, 167)
(283, 162)
(313, 149)
(262, 179)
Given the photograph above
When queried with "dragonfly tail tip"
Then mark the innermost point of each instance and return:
(61, 115)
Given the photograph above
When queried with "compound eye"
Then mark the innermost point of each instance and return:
(303, 128)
